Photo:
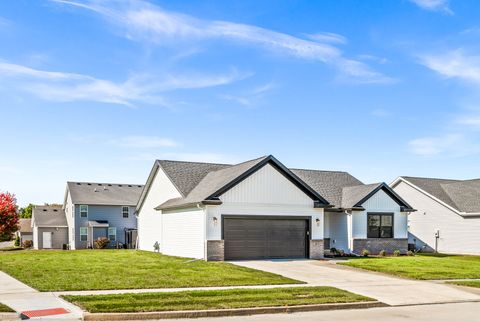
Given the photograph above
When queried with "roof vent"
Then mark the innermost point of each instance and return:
(99, 184)
(139, 185)
(105, 188)
(55, 210)
(119, 185)
(79, 184)
(44, 210)
(95, 190)
(89, 184)
(109, 184)
(129, 185)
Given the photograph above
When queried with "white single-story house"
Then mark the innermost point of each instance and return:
(448, 213)
(49, 225)
(260, 209)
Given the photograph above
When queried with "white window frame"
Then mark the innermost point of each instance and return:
(127, 212)
(114, 234)
(85, 229)
(82, 207)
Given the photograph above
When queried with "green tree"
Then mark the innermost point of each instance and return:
(26, 212)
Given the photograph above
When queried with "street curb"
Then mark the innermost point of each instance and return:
(227, 312)
(9, 316)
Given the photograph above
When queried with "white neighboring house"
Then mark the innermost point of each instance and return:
(260, 209)
(49, 225)
(448, 213)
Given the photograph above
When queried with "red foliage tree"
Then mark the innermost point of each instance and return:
(8, 214)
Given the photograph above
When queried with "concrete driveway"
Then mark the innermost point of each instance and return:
(391, 290)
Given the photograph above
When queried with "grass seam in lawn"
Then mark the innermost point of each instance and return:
(214, 299)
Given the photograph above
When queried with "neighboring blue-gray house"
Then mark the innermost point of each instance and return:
(95, 210)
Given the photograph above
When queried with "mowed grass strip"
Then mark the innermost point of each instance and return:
(473, 283)
(4, 308)
(125, 269)
(214, 299)
(423, 266)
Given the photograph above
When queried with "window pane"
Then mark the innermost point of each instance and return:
(373, 232)
(374, 220)
(386, 232)
(387, 220)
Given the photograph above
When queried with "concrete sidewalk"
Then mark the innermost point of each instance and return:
(391, 290)
(21, 297)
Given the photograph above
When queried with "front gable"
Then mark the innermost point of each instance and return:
(384, 196)
(381, 201)
(266, 186)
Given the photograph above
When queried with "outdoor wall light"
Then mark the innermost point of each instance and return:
(215, 220)
(318, 221)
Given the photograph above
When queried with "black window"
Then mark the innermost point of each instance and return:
(380, 225)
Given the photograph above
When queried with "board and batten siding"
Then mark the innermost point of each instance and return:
(149, 219)
(380, 202)
(264, 193)
(183, 233)
(458, 235)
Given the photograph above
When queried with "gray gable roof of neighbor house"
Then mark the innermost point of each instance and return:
(49, 216)
(25, 225)
(353, 195)
(462, 195)
(216, 182)
(104, 193)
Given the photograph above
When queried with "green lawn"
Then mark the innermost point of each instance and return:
(473, 283)
(124, 269)
(4, 308)
(214, 299)
(423, 266)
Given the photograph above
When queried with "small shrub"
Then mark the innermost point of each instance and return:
(27, 244)
(396, 253)
(341, 252)
(101, 242)
(382, 253)
(17, 241)
(365, 252)
(410, 253)
(333, 250)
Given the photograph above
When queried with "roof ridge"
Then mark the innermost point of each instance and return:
(318, 170)
(103, 183)
(435, 178)
(192, 162)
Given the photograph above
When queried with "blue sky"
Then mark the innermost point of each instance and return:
(96, 90)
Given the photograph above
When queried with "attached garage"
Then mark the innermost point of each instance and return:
(265, 237)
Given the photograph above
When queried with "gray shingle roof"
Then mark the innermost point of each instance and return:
(104, 193)
(200, 180)
(25, 225)
(211, 182)
(49, 216)
(352, 195)
(463, 195)
(329, 184)
(176, 170)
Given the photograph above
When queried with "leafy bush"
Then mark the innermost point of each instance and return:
(333, 250)
(410, 253)
(382, 253)
(341, 252)
(365, 252)
(101, 242)
(27, 244)
(396, 253)
(17, 241)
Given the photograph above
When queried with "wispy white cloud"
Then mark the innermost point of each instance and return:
(144, 142)
(251, 97)
(144, 21)
(434, 5)
(327, 37)
(380, 113)
(454, 64)
(141, 88)
(455, 145)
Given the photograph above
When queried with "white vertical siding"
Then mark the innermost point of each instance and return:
(380, 202)
(338, 230)
(183, 233)
(150, 220)
(267, 185)
(458, 234)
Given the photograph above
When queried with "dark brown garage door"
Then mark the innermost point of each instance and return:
(247, 238)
